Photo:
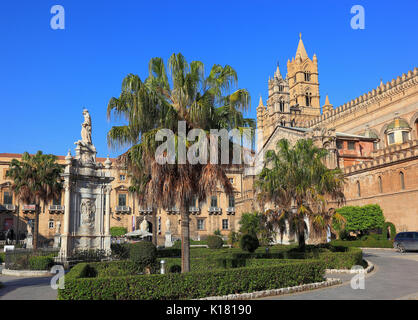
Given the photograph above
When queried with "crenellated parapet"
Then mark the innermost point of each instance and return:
(387, 156)
(375, 96)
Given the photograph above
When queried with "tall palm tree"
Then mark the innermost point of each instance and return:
(36, 178)
(183, 93)
(297, 182)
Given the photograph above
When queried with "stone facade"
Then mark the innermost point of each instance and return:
(375, 135)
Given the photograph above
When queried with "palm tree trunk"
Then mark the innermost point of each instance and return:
(154, 226)
(36, 229)
(301, 238)
(185, 239)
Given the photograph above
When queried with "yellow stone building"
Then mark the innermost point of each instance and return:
(373, 138)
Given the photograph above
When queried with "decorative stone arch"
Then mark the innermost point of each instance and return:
(413, 123)
(382, 136)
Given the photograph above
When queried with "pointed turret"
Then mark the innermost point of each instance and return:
(301, 52)
(327, 106)
(277, 74)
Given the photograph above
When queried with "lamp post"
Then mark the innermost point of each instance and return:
(162, 266)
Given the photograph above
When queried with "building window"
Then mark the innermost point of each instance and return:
(308, 98)
(159, 225)
(7, 197)
(358, 189)
(231, 202)
(200, 224)
(391, 137)
(214, 201)
(351, 145)
(380, 184)
(224, 224)
(405, 136)
(281, 105)
(194, 203)
(375, 146)
(122, 200)
(281, 88)
(57, 200)
(51, 224)
(307, 76)
(122, 177)
(231, 180)
(339, 144)
(402, 178)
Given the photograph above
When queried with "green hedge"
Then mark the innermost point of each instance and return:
(118, 231)
(41, 262)
(187, 285)
(369, 243)
(1, 257)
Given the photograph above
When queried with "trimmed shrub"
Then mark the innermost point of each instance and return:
(392, 227)
(1, 257)
(176, 268)
(118, 231)
(41, 262)
(144, 254)
(361, 219)
(189, 285)
(215, 242)
(169, 253)
(369, 243)
(249, 243)
(120, 250)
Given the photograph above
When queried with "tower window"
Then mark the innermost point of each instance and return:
(402, 178)
(405, 136)
(358, 189)
(281, 88)
(308, 98)
(380, 184)
(391, 137)
(281, 105)
(307, 76)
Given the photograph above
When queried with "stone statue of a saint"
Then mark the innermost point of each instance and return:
(86, 128)
(144, 225)
(58, 227)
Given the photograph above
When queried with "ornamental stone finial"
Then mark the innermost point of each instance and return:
(108, 163)
(69, 157)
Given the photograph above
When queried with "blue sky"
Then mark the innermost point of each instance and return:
(47, 76)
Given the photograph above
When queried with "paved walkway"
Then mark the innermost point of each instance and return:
(395, 277)
(18, 288)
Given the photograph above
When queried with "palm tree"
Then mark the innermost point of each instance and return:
(36, 178)
(296, 181)
(202, 102)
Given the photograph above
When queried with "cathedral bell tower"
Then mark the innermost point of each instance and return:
(302, 75)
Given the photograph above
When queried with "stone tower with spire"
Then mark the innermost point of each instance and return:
(302, 75)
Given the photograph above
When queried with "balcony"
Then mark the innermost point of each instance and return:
(194, 210)
(173, 210)
(123, 209)
(56, 208)
(7, 207)
(145, 211)
(230, 211)
(26, 208)
(215, 210)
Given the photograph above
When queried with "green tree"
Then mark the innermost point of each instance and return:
(296, 181)
(36, 178)
(250, 223)
(361, 219)
(160, 102)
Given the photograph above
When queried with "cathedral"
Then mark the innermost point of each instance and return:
(373, 138)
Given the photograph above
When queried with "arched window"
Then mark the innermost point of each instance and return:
(358, 189)
(281, 103)
(380, 184)
(281, 88)
(402, 178)
(308, 99)
(307, 76)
